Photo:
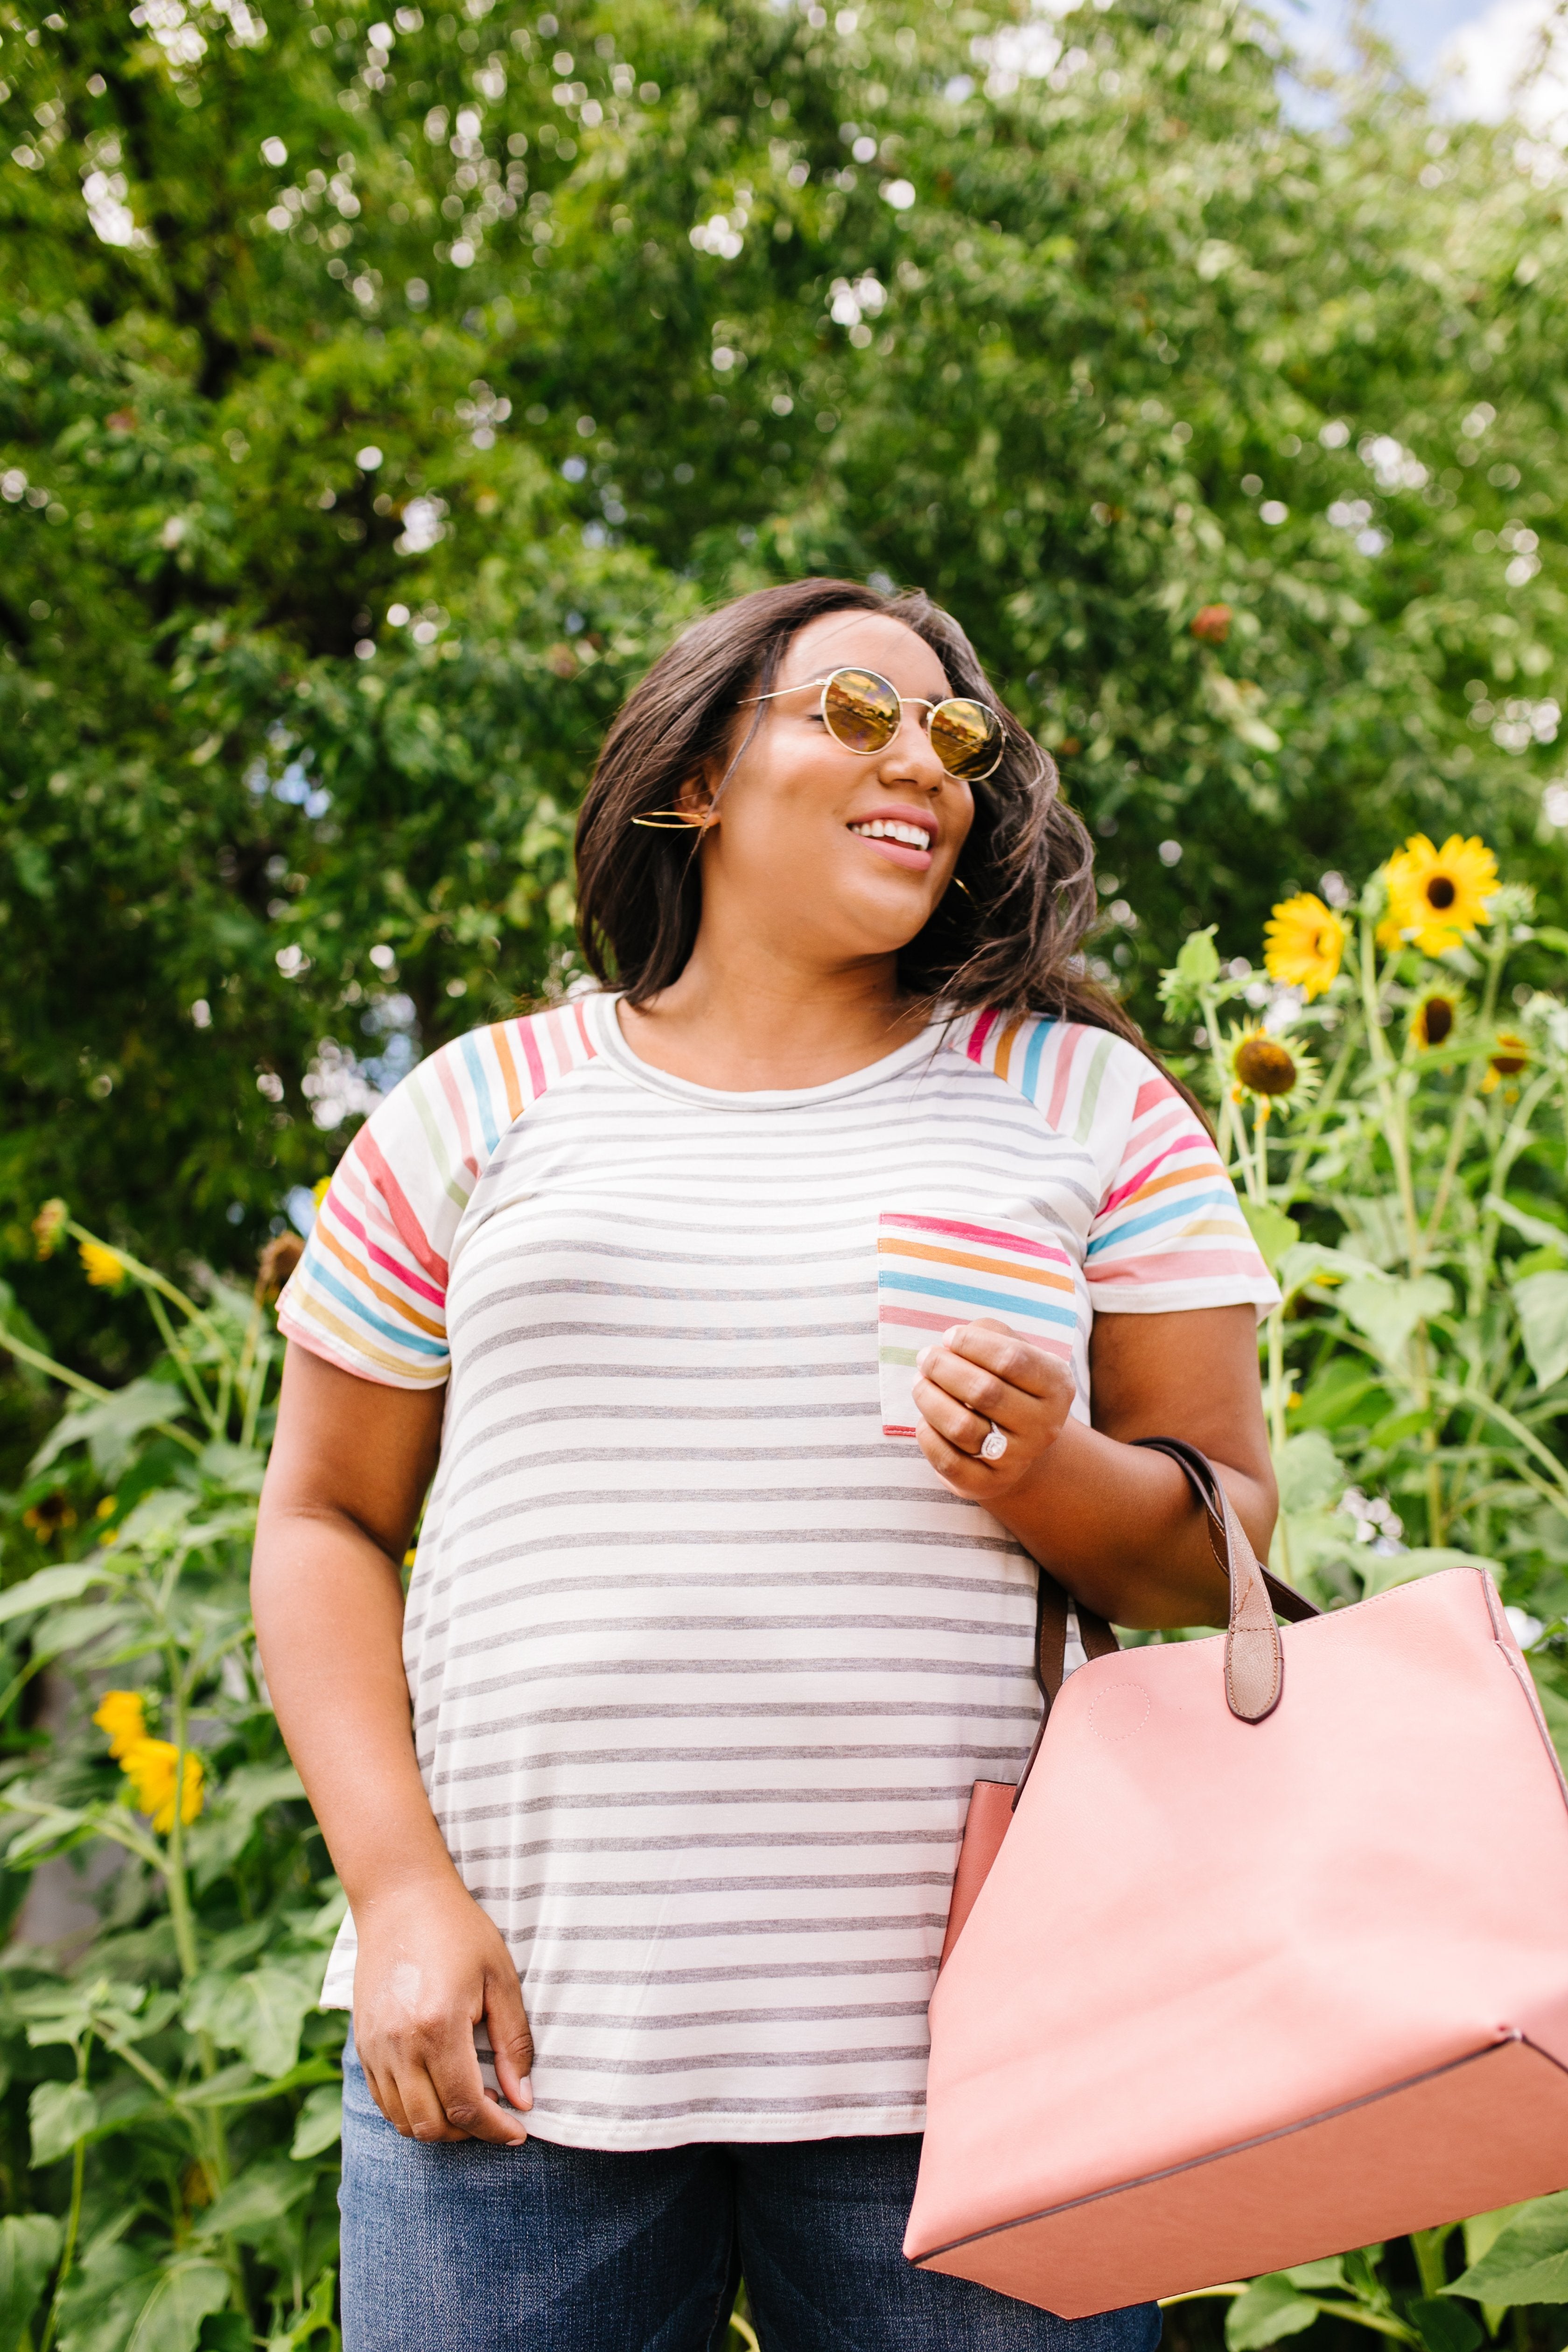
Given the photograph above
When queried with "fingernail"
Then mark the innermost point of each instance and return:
(527, 2099)
(948, 1337)
(923, 1359)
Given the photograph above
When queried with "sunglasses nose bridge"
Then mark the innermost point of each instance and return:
(914, 714)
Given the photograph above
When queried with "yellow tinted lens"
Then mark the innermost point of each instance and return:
(965, 737)
(860, 709)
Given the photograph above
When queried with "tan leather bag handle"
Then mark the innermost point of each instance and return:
(1254, 1660)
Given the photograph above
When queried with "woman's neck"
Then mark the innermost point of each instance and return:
(766, 1026)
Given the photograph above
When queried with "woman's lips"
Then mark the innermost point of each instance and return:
(898, 852)
(904, 820)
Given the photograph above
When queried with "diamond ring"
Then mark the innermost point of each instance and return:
(994, 1446)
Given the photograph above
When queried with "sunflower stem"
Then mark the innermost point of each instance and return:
(1494, 958)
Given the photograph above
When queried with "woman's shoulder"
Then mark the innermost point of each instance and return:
(515, 1061)
(1078, 1075)
(485, 1078)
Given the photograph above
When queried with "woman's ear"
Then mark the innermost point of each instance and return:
(695, 799)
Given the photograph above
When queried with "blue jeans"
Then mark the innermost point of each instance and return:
(465, 2247)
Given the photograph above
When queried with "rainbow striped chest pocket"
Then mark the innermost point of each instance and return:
(934, 1272)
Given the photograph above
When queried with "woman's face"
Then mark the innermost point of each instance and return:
(837, 855)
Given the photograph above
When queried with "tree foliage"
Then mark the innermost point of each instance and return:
(1235, 442)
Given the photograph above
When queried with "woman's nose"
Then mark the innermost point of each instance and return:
(910, 755)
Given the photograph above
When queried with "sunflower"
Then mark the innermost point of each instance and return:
(1303, 943)
(148, 1766)
(1507, 1057)
(123, 1715)
(1264, 1067)
(1437, 897)
(277, 1261)
(50, 1517)
(1434, 1017)
(49, 1225)
(105, 1268)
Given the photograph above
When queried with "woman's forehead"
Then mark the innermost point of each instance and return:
(864, 641)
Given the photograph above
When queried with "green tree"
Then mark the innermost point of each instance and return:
(377, 395)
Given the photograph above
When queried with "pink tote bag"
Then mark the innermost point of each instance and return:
(1267, 1957)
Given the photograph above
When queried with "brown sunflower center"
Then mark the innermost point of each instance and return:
(1511, 1055)
(1440, 892)
(1436, 1019)
(1263, 1063)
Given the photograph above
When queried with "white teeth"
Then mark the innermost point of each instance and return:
(913, 836)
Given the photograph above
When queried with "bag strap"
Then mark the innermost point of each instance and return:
(1254, 1660)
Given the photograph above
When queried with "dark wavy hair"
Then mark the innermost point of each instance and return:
(1012, 939)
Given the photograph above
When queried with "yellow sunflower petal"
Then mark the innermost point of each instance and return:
(121, 1713)
(1437, 897)
(105, 1268)
(1304, 941)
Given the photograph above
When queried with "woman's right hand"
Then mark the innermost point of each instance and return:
(431, 1964)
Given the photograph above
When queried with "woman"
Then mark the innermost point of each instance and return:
(747, 1316)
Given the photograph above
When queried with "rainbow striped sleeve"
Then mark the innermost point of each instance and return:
(370, 1293)
(1167, 1232)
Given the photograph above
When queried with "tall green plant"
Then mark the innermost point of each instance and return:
(174, 2099)
(1396, 1116)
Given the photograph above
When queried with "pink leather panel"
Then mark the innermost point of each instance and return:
(985, 1826)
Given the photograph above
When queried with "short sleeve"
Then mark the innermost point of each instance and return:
(370, 1293)
(1168, 1233)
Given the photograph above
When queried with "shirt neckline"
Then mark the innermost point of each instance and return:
(613, 1046)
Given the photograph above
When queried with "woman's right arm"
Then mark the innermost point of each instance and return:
(350, 1466)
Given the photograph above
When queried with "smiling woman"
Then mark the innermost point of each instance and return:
(765, 1317)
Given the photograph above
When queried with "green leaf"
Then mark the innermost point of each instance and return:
(1529, 1227)
(109, 1425)
(1270, 2309)
(1388, 1309)
(1271, 1229)
(106, 2290)
(30, 2249)
(1311, 1262)
(263, 2195)
(1196, 968)
(171, 2318)
(224, 1831)
(1315, 2276)
(1444, 2327)
(1309, 1471)
(230, 2087)
(1381, 1571)
(225, 2331)
(320, 2122)
(260, 2015)
(1541, 1300)
(314, 2321)
(60, 2114)
(1198, 958)
(49, 1587)
(1528, 2260)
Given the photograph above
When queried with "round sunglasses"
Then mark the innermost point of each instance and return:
(864, 712)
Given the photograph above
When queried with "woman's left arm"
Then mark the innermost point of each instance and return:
(1117, 1525)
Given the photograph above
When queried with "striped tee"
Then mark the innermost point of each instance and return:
(703, 1656)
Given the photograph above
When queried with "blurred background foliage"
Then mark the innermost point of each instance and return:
(379, 393)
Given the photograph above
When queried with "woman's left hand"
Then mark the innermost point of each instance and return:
(980, 1377)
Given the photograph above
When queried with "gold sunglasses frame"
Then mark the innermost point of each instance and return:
(850, 669)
